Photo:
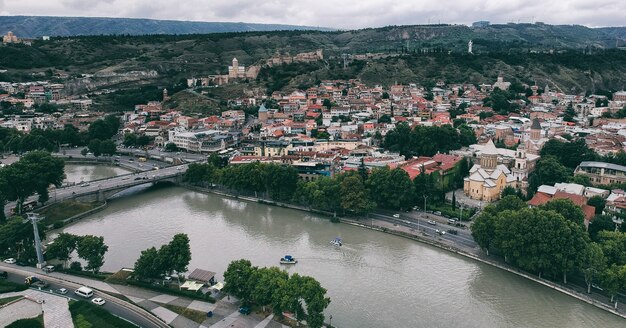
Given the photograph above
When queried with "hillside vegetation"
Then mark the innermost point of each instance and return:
(575, 58)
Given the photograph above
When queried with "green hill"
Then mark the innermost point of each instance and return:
(571, 57)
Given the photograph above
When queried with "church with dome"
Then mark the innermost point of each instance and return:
(490, 176)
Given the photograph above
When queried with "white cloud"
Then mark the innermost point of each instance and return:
(333, 13)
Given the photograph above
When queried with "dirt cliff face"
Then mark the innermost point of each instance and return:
(104, 80)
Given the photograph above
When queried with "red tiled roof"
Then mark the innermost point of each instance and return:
(539, 199)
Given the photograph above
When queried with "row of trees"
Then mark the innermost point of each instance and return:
(33, 173)
(551, 240)
(427, 140)
(301, 295)
(356, 192)
(89, 248)
(172, 257)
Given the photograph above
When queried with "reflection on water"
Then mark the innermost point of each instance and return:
(78, 173)
(374, 280)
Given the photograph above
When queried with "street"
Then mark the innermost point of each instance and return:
(114, 305)
(418, 221)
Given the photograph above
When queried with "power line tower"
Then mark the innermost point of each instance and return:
(34, 218)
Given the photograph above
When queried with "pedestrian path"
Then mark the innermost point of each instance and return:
(226, 322)
(265, 321)
(56, 311)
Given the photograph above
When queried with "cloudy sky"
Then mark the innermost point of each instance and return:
(336, 13)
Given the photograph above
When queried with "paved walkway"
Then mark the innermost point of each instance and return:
(56, 311)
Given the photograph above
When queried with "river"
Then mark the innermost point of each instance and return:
(375, 280)
(77, 173)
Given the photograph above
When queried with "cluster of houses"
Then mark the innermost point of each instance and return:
(338, 125)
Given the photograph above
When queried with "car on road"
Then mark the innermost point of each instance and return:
(244, 310)
(62, 291)
(431, 222)
(98, 301)
(179, 168)
(125, 178)
(10, 261)
(453, 232)
(48, 268)
(84, 184)
(396, 216)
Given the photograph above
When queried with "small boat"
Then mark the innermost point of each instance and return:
(336, 242)
(288, 259)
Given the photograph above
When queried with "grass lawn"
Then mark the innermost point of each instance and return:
(119, 277)
(7, 286)
(64, 210)
(36, 322)
(6, 300)
(194, 315)
(85, 314)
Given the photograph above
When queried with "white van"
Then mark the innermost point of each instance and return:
(84, 292)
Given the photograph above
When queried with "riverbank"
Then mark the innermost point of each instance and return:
(473, 254)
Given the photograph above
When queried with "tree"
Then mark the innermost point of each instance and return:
(94, 147)
(147, 265)
(170, 146)
(600, 223)
(581, 180)
(130, 139)
(614, 246)
(610, 281)
(548, 171)
(92, 249)
(267, 282)
(567, 209)
(237, 279)
(63, 247)
(34, 172)
(392, 189)
(592, 264)
(107, 147)
(598, 203)
(570, 153)
(354, 195)
(179, 253)
(483, 230)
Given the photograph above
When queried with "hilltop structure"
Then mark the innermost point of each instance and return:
(10, 38)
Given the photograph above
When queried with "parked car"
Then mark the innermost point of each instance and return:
(453, 232)
(244, 310)
(4, 274)
(452, 221)
(98, 301)
(431, 222)
(437, 213)
(39, 284)
(48, 268)
(62, 291)
(10, 261)
(396, 216)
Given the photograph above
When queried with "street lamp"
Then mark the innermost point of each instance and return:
(330, 320)
(34, 218)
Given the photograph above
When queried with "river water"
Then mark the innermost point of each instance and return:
(374, 280)
(78, 173)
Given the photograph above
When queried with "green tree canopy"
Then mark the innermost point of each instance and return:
(92, 249)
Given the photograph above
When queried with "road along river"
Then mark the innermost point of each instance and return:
(374, 280)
